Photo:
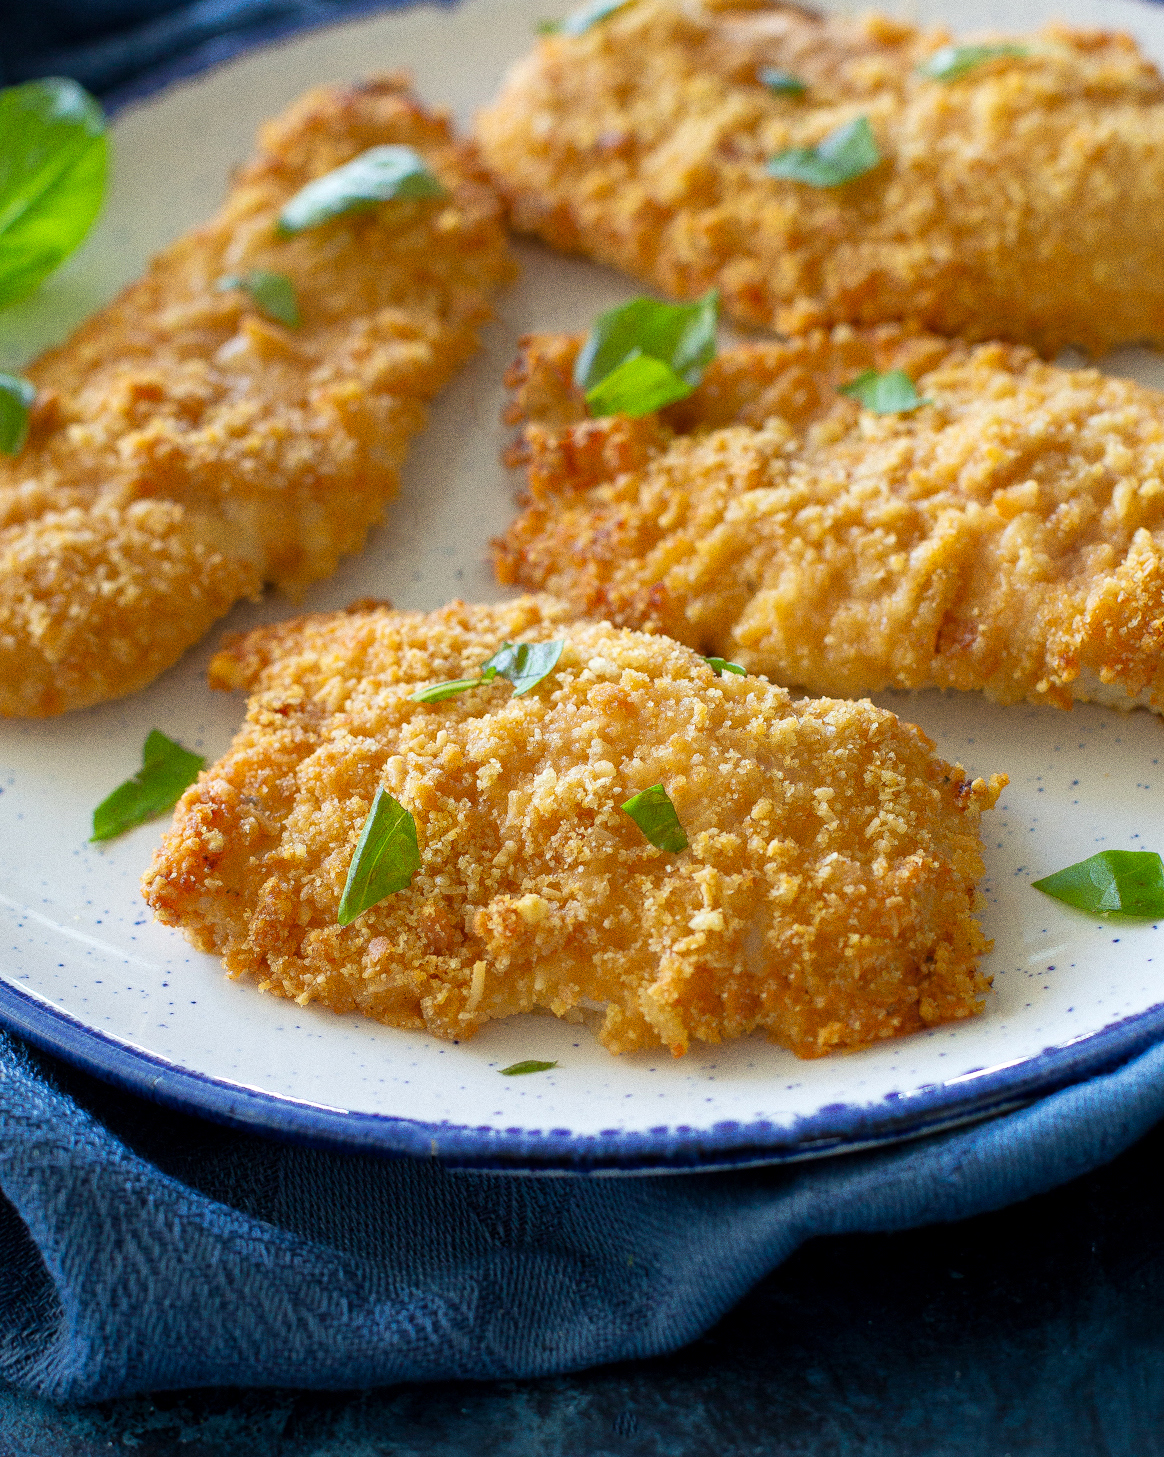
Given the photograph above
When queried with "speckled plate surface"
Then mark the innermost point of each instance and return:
(84, 971)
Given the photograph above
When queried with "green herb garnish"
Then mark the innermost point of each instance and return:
(719, 666)
(891, 393)
(16, 397)
(387, 857)
(582, 19)
(519, 1069)
(645, 354)
(655, 815)
(1120, 882)
(166, 770)
(951, 62)
(53, 162)
(523, 664)
(273, 294)
(381, 174)
(781, 83)
(846, 153)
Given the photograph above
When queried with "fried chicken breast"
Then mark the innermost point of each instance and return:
(1018, 200)
(1007, 535)
(826, 894)
(185, 449)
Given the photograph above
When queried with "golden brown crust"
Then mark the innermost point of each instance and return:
(826, 897)
(266, 452)
(1020, 202)
(1008, 536)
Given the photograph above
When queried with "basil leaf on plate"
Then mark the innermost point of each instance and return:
(523, 664)
(638, 386)
(273, 294)
(845, 154)
(166, 770)
(519, 1069)
(387, 857)
(16, 397)
(438, 692)
(679, 337)
(781, 83)
(952, 62)
(655, 815)
(381, 174)
(719, 666)
(891, 393)
(53, 164)
(1123, 882)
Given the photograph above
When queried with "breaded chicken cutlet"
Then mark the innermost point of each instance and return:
(1007, 535)
(826, 895)
(1016, 200)
(185, 449)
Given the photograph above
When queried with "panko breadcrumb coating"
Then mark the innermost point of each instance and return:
(184, 449)
(826, 896)
(1007, 536)
(1020, 201)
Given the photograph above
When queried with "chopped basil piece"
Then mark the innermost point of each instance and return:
(844, 154)
(53, 163)
(387, 857)
(16, 397)
(655, 815)
(519, 1069)
(582, 19)
(891, 393)
(1123, 882)
(273, 294)
(951, 62)
(719, 666)
(381, 174)
(166, 770)
(638, 386)
(523, 664)
(781, 83)
(548, 27)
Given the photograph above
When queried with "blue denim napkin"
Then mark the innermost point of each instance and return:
(141, 1250)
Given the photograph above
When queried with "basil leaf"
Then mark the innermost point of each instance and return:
(53, 163)
(951, 62)
(589, 15)
(273, 294)
(1126, 882)
(891, 393)
(781, 83)
(637, 386)
(681, 336)
(166, 770)
(387, 857)
(719, 666)
(438, 692)
(524, 664)
(655, 815)
(846, 153)
(16, 397)
(519, 1069)
(381, 174)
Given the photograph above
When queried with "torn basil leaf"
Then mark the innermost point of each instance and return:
(438, 692)
(781, 83)
(16, 397)
(891, 393)
(655, 815)
(166, 770)
(719, 666)
(519, 1069)
(381, 174)
(581, 20)
(53, 164)
(1120, 882)
(387, 857)
(951, 62)
(273, 294)
(845, 154)
(523, 664)
(644, 335)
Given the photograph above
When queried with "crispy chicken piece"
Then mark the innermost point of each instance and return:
(1018, 202)
(826, 896)
(1007, 536)
(184, 449)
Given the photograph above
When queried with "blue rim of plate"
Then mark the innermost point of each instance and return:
(972, 1097)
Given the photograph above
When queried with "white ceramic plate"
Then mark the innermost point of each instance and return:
(86, 973)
